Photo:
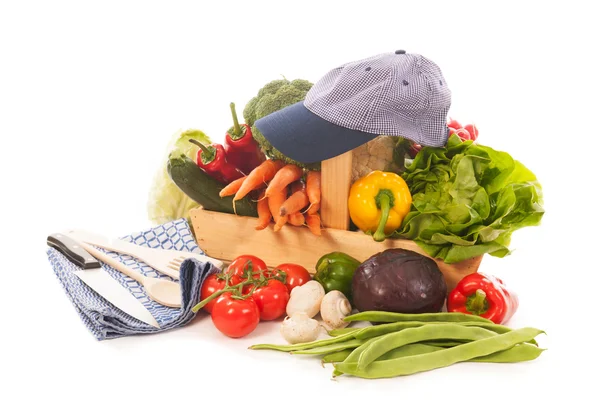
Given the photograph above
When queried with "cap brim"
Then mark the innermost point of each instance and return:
(307, 138)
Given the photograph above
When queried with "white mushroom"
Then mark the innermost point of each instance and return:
(300, 328)
(306, 298)
(334, 307)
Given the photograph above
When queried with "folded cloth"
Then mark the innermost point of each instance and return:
(106, 321)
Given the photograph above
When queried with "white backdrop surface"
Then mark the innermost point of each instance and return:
(90, 94)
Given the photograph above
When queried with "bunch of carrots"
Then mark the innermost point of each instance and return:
(290, 196)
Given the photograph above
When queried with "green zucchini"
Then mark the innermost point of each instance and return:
(204, 189)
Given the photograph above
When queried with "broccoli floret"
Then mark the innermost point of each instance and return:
(250, 111)
(285, 96)
(301, 84)
(274, 96)
(272, 87)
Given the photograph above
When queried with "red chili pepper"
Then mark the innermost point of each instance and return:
(483, 295)
(213, 161)
(240, 147)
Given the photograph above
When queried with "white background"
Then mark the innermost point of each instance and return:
(90, 94)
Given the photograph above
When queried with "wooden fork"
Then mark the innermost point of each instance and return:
(166, 261)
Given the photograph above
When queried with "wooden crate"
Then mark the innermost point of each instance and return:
(226, 236)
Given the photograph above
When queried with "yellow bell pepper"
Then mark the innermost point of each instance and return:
(378, 203)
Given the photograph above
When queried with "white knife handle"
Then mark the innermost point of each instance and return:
(118, 246)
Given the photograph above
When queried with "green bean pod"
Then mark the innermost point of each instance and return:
(303, 346)
(394, 340)
(445, 343)
(335, 357)
(521, 352)
(377, 330)
(342, 331)
(409, 350)
(353, 357)
(348, 344)
(477, 349)
(386, 316)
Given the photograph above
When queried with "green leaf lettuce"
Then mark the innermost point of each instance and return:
(166, 202)
(468, 199)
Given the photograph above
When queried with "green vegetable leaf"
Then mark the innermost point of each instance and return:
(467, 200)
(166, 202)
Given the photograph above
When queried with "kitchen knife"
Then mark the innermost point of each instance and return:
(102, 283)
(70, 249)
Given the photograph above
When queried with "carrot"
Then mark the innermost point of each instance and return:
(232, 187)
(294, 203)
(259, 175)
(313, 186)
(313, 190)
(264, 213)
(284, 177)
(296, 219)
(275, 201)
(314, 208)
(314, 223)
(281, 221)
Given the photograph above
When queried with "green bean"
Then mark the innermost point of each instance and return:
(409, 350)
(349, 344)
(444, 357)
(338, 356)
(494, 328)
(303, 346)
(355, 355)
(445, 343)
(386, 316)
(377, 330)
(342, 331)
(394, 340)
(521, 352)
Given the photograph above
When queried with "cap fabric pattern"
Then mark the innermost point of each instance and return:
(395, 94)
(388, 94)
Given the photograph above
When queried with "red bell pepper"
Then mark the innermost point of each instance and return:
(483, 295)
(240, 147)
(213, 161)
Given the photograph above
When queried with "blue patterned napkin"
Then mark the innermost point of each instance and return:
(104, 320)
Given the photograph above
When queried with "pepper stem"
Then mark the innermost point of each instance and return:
(477, 303)
(385, 201)
(237, 133)
(208, 153)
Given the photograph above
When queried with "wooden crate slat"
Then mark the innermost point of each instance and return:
(336, 178)
(227, 236)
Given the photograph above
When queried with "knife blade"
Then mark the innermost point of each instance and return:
(100, 281)
(70, 249)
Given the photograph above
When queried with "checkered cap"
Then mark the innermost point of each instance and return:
(396, 94)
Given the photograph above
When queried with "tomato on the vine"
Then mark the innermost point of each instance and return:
(238, 267)
(296, 275)
(271, 299)
(212, 284)
(235, 317)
